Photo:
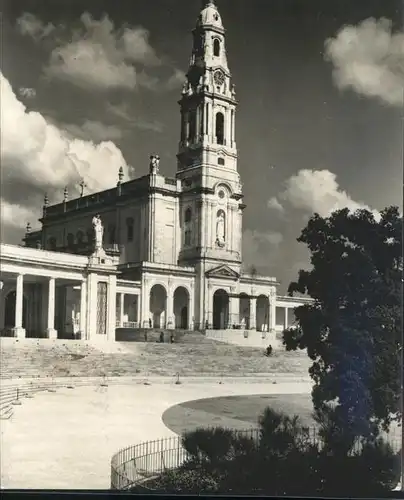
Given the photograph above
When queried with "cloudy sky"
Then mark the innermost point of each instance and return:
(88, 86)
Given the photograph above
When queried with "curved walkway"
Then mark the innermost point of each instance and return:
(65, 439)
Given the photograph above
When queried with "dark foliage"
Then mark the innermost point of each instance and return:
(352, 331)
(286, 460)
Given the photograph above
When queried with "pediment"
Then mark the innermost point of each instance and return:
(222, 271)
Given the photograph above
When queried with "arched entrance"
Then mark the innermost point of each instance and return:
(220, 309)
(158, 302)
(244, 310)
(181, 308)
(262, 313)
(9, 310)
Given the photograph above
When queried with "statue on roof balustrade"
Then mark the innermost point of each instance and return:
(98, 232)
(154, 164)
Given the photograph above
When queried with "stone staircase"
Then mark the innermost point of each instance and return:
(153, 335)
(194, 356)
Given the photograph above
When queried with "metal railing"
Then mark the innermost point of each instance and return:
(135, 465)
(127, 324)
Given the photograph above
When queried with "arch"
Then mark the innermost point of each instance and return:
(158, 305)
(244, 310)
(216, 47)
(52, 243)
(262, 313)
(225, 186)
(181, 308)
(80, 237)
(220, 309)
(9, 310)
(219, 127)
(221, 224)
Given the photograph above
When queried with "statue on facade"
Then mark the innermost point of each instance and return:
(184, 88)
(154, 164)
(220, 228)
(98, 232)
(233, 91)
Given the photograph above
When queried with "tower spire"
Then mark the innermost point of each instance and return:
(208, 102)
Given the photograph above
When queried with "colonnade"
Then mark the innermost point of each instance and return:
(49, 310)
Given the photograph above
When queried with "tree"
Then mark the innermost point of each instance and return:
(352, 330)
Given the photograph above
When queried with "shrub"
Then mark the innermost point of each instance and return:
(208, 445)
(285, 461)
(195, 481)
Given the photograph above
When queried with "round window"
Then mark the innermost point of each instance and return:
(221, 194)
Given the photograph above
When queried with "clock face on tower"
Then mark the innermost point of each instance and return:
(219, 77)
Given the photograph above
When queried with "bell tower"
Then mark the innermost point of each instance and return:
(207, 153)
(208, 103)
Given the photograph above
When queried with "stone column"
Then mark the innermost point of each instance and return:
(18, 329)
(170, 319)
(121, 308)
(92, 306)
(145, 305)
(272, 312)
(234, 307)
(232, 128)
(111, 308)
(51, 333)
(191, 310)
(228, 128)
(83, 310)
(253, 312)
(208, 119)
(208, 305)
(285, 325)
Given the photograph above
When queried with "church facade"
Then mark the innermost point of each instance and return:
(156, 251)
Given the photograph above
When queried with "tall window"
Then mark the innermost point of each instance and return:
(192, 126)
(80, 237)
(70, 240)
(111, 234)
(52, 243)
(129, 229)
(220, 128)
(216, 47)
(187, 227)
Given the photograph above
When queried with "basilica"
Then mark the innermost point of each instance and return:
(156, 251)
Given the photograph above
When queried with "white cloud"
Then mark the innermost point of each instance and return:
(137, 48)
(259, 247)
(274, 204)
(16, 215)
(99, 56)
(93, 130)
(316, 191)
(122, 111)
(175, 80)
(28, 24)
(38, 153)
(27, 92)
(369, 58)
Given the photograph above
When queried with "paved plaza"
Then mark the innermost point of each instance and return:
(65, 440)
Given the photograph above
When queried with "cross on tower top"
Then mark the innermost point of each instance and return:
(82, 185)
